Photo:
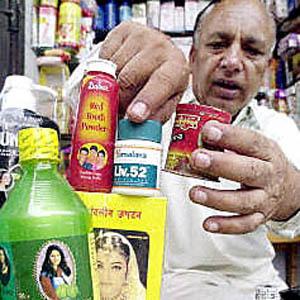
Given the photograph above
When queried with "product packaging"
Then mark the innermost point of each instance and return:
(91, 165)
(186, 136)
(136, 225)
(44, 228)
(137, 160)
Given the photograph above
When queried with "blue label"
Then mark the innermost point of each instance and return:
(135, 175)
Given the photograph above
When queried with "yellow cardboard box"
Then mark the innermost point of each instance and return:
(139, 223)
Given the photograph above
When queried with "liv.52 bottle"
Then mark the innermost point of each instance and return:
(43, 228)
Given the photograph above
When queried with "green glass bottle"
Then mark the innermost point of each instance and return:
(44, 228)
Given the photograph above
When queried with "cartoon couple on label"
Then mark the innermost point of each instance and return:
(91, 158)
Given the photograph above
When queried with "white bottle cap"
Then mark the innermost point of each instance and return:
(17, 93)
(17, 81)
(102, 65)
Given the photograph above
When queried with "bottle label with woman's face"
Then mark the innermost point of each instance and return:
(46, 269)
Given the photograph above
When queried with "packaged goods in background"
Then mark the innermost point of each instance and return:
(153, 13)
(47, 26)
(139, 12)
(91, 166)
(125, 12)
(280, 101)
(53, 72)
(179, 19)
(137, 160)
(21, 100)
(69, 24)
(98, 25)
(167, 14)
(44, 228)
(53, 3)
(186, 136)
(34, 26)
(292, 100)
(191, 9)
(110, 14)
(138, 225)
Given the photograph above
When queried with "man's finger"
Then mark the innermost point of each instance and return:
(239, 140)
(246, 170)
(239, 201)
(165, 111)
(114, 40)
(234, 224)
(134, 76)
(171, 80)
(124, 54)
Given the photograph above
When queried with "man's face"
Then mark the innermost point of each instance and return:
(231, 55)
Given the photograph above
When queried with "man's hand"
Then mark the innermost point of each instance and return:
(270, 184)
(152, 72)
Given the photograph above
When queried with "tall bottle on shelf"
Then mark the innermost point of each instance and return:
(139, 11)
(44, 228)
(125, 10)
(110, 14)
(69, 24)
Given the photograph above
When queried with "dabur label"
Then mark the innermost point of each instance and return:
(94, 137)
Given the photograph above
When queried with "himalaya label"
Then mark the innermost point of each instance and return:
(136, 166)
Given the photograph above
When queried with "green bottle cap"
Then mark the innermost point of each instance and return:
(149, 130)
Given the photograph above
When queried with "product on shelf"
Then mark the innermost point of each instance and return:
(47, 26)
(179, 18)
(44, 228)
(69, 25)
(167, 15)
(139, 11)
(153, 14)
(280, 102)
(110, 14)
(91, 166)
(53, 72)
(21, 101)
(53, 3)
(34, 27)
(191, 9)
(125, 11)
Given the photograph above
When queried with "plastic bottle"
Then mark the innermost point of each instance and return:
(91, 165)
(137, 161)
(44, 227)
(69, 24)
(139, 11)
(153, 13)
(110, 14)
(21, 99)
(125, 12)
